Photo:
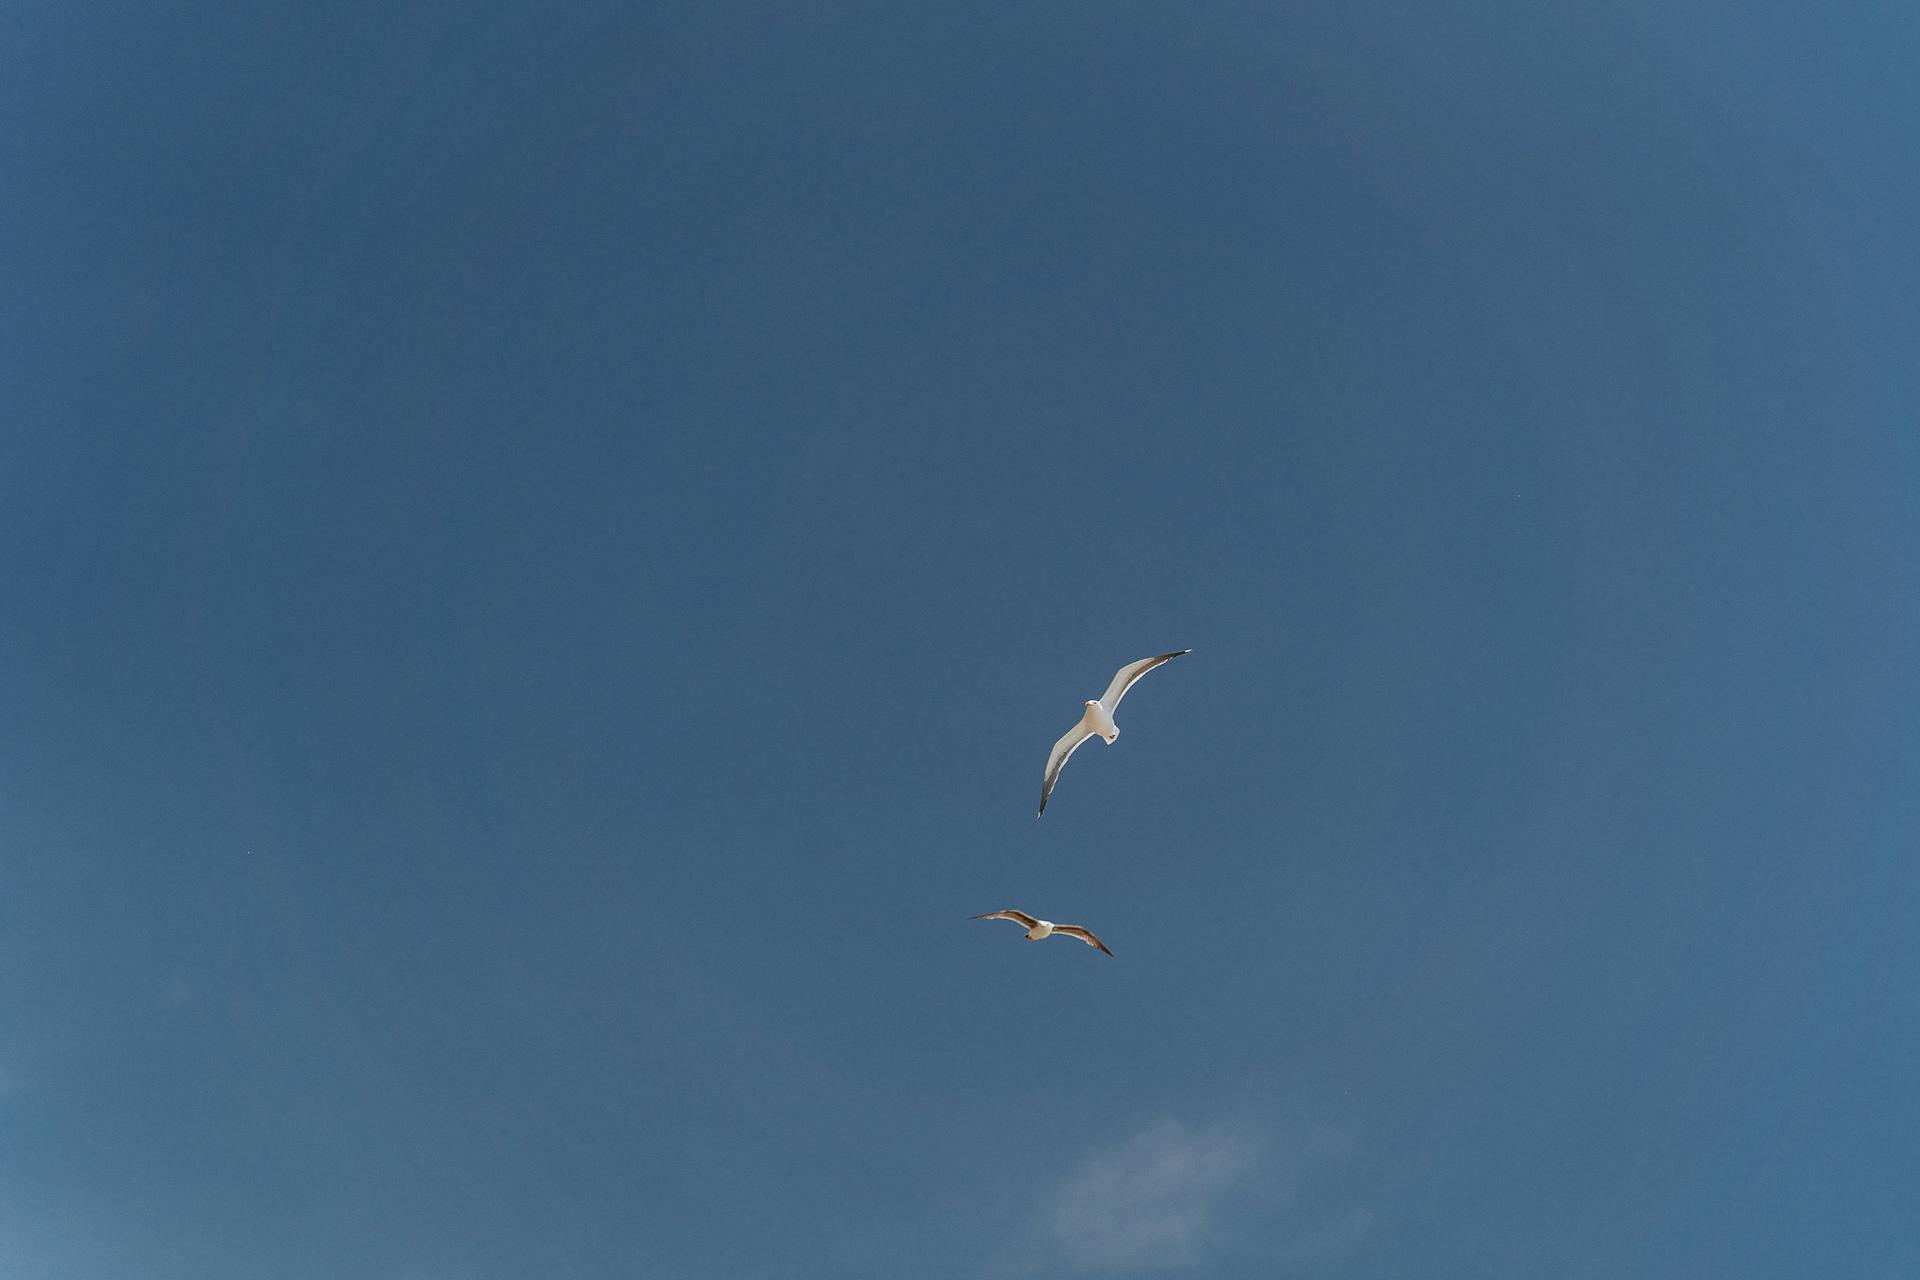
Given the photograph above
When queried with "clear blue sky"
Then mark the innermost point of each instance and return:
(541, 556)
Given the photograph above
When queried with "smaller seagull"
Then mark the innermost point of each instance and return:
(1098, 719)
(1038, 929)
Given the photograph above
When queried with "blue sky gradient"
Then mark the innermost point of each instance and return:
(543, 555)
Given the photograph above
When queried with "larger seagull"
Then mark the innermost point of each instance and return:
(1098, 719)
(1038, 929)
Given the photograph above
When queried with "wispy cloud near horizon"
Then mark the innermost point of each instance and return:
(1172, 1196)
(1153, 1202)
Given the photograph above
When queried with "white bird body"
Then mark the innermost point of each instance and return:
(1097, 720)
(1037, 928)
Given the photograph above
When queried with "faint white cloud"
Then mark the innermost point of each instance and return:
(1173, 1196)
(1154, 1202)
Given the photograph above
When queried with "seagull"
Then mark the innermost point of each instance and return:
(1038, 929)
(1098, 719)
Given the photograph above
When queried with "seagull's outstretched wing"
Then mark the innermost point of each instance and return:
(1123, 678)
(1020, 918)
(1057, 759)
(1085, 935)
